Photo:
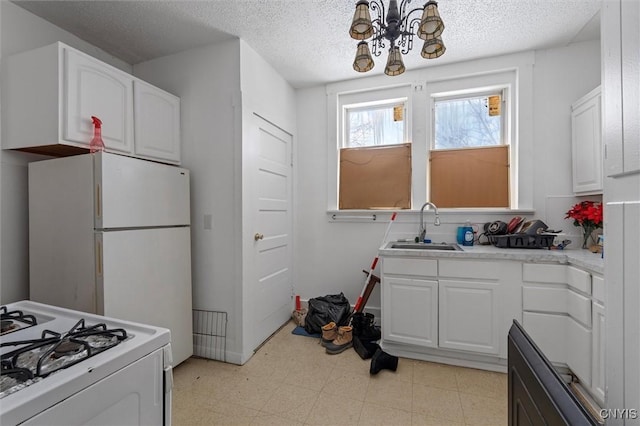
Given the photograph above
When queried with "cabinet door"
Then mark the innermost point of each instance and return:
(410, 312)
(548, 331)
(579, 350)
(470, 314)
(157, 123)
(597, 352)
(94, 88)
(586, 144)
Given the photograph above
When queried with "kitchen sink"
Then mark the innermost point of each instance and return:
(426, 246)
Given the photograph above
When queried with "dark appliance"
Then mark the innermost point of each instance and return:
(537, 393)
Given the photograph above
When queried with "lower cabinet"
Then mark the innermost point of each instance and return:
(563, 311)
(448, 308)
(411, 311)
(470, 316)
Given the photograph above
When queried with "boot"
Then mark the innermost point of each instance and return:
(383, 361)
(329, 333)
(370, 331)
(364, 326)
(342, 342)
(364, 348)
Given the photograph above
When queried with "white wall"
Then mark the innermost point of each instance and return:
(332, 254)
(207, 80)
(328, 256)
(21, 30)
(214, 83)
(561, 76)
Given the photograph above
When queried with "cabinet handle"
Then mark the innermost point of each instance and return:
(258, 236)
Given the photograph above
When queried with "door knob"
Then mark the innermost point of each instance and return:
(258, 236)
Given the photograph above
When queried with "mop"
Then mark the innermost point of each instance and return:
(380, 360)
(359, 306)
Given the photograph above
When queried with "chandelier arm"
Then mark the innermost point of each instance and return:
(415, 22)
(377, 42)
(403, 7)
(406, 42)
(405, 18)
(378, 7)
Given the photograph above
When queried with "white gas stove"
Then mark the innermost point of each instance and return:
(64, 367)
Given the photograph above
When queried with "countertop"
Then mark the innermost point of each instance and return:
(578, 257)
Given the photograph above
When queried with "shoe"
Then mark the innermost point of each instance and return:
(383, 361)
(342, 342)
(329, 333)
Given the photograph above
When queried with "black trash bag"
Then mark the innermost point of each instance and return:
(323, 310)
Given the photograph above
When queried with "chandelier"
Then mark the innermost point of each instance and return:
(395, 27)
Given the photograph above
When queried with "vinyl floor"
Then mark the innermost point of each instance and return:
(292, 381)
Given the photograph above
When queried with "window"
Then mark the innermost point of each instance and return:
(469, 156)
(375, 124)
(375, 155)
(506, 138)
(468, 121)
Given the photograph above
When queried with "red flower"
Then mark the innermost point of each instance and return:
(587, 214)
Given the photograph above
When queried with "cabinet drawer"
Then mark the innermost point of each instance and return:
(597, 284)
(579, 279)
(544, 299)
(541, 273)
(579, 308)
(468, 269)
(557, 300)
(401, 266)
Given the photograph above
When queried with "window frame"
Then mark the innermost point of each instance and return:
(421, 82)
(504, 81)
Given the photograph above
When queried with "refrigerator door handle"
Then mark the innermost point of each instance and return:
(98, 204)
(99, 258)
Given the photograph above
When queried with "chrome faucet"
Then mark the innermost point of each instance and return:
(422, 232)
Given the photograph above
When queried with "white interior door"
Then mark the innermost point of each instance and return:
(270, 288)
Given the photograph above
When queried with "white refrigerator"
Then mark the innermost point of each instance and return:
(110, 235)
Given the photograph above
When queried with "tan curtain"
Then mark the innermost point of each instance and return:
(473, 177)
(375, 177)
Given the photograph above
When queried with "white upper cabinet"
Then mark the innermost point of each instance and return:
(50, 94)
(95, 89)
(157, 123)
(586, 144)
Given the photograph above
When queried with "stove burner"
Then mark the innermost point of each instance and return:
(14, 320)
(13, 377)
(67, 348)
(6, 326)
(55, 351)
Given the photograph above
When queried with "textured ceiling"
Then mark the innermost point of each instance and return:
(307, 41)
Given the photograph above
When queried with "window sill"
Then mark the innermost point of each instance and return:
(452, 215)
